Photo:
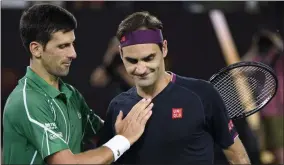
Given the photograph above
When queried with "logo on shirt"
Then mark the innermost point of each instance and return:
(53, 136)
(50, 126)
(176, 113)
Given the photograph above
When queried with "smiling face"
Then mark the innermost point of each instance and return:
(58, 54)
(144, 62)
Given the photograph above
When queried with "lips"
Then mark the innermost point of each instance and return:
(67, 64)
(145, 76)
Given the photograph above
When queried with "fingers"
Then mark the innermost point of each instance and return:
(146, 117)
(141, 109)
(119, 117)
(143, 113)
(140, 106)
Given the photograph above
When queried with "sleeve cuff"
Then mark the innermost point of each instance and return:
(53, 149)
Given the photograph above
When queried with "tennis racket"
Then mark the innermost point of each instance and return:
(245, 87)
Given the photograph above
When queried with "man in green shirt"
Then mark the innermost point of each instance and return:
(45, 120)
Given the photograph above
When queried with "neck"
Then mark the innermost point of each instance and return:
(41, 71)
(153, 90)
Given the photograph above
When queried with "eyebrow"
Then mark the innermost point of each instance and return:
(66, 42)
(144, 58)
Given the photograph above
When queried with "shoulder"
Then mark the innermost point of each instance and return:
(206, 91)
(124, 100)
(23, 100)
(199, 86)
(190, 82)
(123, 97)
(24, 95)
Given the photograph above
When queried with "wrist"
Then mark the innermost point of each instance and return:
(118, 145)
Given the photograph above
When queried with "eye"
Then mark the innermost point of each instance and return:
(64, 46)
(150, 58)
(131, 60)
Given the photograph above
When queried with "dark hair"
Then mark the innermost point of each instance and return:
(40, 21)
(136, 21)
(262, 39)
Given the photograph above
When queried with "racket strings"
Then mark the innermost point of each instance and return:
(259, 83)
(267, 89)
(257, 101)
(250, 101)
(223, 82)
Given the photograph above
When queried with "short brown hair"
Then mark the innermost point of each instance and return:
(138, 20)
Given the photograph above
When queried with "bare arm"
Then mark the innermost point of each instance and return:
(236, 153)
(102, 155)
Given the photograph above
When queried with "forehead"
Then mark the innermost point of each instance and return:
(140, 50)
(63, 37)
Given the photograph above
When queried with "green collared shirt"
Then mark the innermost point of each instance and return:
(40, 120)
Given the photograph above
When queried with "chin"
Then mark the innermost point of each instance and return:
(63, 74)
(144, 83)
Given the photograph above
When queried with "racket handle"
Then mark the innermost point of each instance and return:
(230, 52)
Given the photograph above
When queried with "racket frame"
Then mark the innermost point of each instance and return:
(248, 63)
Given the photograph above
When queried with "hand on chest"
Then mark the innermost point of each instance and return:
(177, 116)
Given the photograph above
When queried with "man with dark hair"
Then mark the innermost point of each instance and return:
(45, 120)
(189, 115)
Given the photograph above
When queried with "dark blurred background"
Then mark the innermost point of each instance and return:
(193, 46)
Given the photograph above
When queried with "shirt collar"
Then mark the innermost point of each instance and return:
(47, 88)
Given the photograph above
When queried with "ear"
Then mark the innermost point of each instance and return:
(165, 48)
(36, 49)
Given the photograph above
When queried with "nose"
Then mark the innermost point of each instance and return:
(140, 68)
(72, 53)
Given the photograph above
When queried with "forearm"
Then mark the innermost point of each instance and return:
(102, 155)
(236, 153)
(106, 154)
(237, 157)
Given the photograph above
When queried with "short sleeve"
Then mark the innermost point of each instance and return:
(223, 129)
(32, 117)
(108, 130)
(93, 122)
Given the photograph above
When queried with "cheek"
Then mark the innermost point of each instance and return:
(153, 65)
(52, 59)
(47, 58)
(129, 68)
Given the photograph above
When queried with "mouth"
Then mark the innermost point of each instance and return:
(67, 64)
(144, 77)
